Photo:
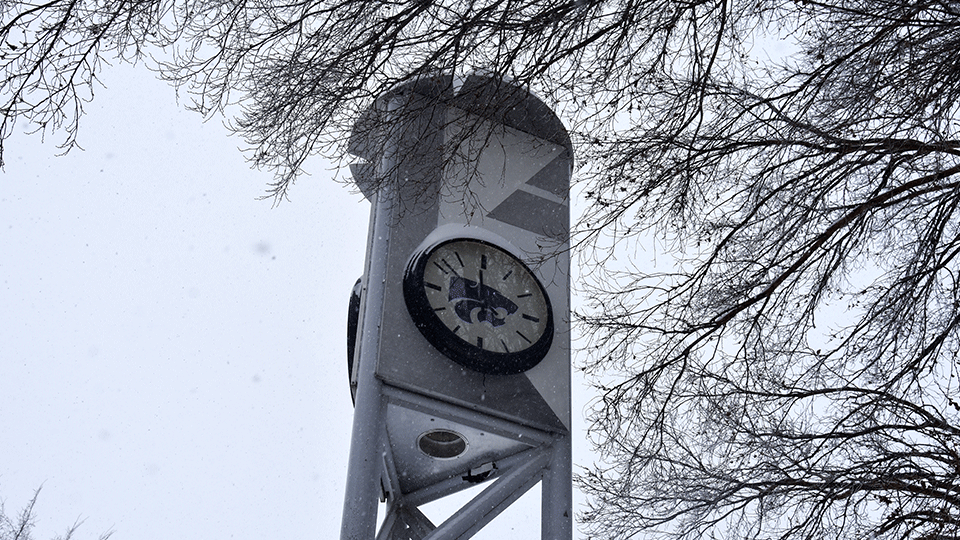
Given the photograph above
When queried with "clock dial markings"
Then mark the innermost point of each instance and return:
(477, 313)
(445, 263)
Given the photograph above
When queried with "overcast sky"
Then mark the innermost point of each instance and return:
(172, 350)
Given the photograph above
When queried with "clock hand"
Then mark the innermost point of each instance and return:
(450, 267)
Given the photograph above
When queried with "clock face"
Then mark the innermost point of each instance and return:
(480, 306)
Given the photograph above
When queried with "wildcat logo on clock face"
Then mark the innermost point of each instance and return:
(471, 297)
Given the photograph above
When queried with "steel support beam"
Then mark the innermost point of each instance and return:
(405, 522)
(556, 507)
(365, 463)
(492, 501)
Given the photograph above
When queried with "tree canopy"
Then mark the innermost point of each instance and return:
(788, 368)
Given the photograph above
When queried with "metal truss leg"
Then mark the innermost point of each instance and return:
(556, 508)
(364, 487)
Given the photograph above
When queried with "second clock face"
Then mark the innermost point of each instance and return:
(479, 305)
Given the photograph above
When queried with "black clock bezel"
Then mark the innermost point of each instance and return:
(452, 346)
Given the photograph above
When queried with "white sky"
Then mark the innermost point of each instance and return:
(172, 350)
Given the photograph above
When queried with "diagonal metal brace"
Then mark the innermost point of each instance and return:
(405, 522)
(489, 503)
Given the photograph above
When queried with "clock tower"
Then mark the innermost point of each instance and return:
(461, 362)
